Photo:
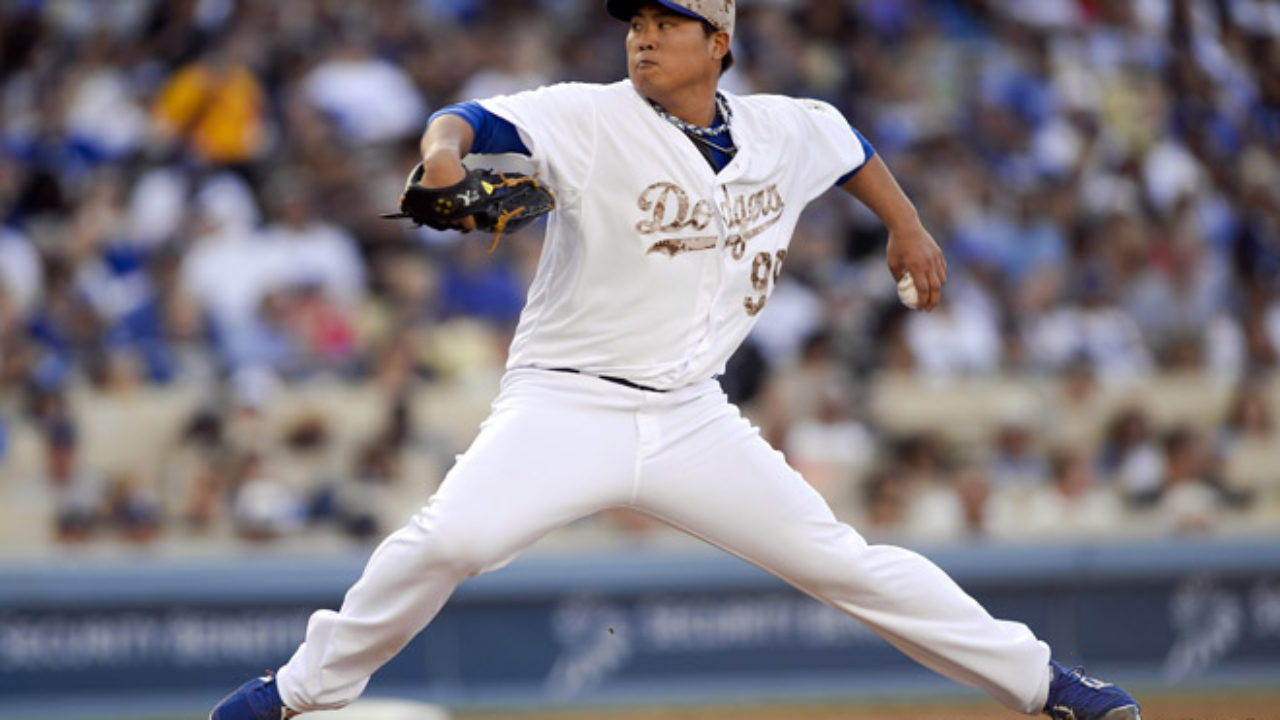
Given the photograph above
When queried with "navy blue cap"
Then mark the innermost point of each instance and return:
(624, 10)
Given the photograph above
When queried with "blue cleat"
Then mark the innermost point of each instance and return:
(1076, 696)
(258, 699)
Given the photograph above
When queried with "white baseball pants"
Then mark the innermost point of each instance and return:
(559, 446)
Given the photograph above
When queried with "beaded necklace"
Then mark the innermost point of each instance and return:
(729, 150)
(723, 114)
(704, 135)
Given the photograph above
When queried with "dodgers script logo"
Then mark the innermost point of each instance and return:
(668, 209)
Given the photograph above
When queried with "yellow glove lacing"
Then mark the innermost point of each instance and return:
(506, 216)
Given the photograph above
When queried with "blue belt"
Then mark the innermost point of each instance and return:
(615, 380)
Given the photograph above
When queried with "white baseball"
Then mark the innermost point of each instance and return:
(907, 291)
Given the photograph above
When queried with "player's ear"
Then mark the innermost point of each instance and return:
(720, 44)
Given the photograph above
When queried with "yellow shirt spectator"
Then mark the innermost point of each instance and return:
(217, 110)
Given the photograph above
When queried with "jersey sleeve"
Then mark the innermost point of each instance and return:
(868, 151)
(833, 150)
(557, 124)
(492, 133)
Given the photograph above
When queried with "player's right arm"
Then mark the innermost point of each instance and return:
(464, 128)
(457, 130)
(446, 141)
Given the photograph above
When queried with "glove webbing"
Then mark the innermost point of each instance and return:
(505, 217)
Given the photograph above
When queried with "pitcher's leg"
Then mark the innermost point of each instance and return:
(533, 467)
(720, 481)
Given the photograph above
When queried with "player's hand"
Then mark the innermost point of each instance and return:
(911, 248)
(443, 171)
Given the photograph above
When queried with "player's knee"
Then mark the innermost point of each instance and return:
(463, 546)
(841, 561)
(465, 550)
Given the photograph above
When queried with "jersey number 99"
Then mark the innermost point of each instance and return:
(765, 271)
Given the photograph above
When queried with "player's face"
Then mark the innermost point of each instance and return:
(667, 52)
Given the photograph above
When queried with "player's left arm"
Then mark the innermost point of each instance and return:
(911, 247)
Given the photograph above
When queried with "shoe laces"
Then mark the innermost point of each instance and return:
(1092, 683)
(1072, 682)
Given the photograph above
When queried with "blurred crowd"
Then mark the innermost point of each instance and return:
(190, 189)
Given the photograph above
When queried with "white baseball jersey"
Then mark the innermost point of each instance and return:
(655, 266)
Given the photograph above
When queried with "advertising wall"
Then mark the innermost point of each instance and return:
(138, 640)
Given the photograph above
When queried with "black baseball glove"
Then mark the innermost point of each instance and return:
(498, 201)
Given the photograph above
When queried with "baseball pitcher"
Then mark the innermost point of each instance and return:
(674, 203)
